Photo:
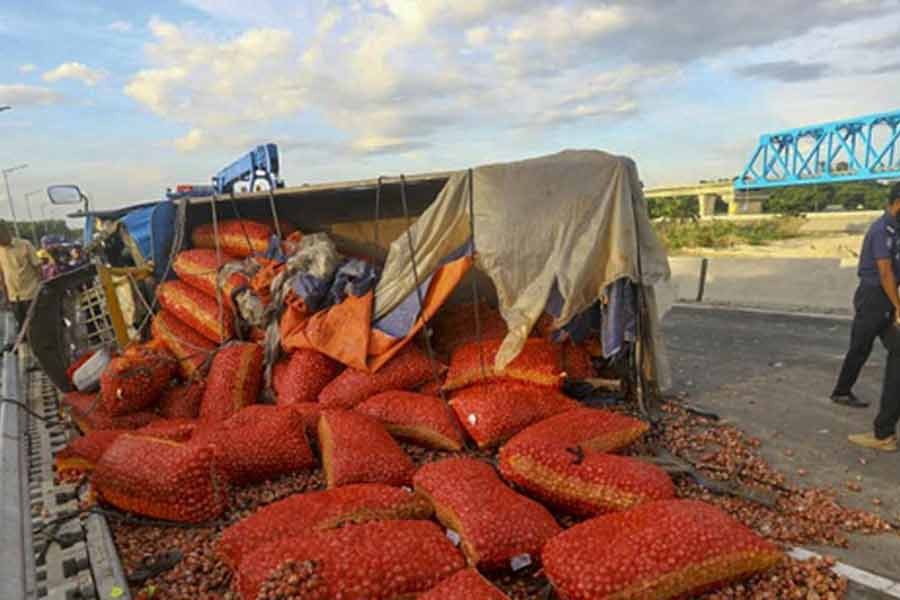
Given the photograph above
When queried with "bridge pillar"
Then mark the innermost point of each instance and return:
(707, 204)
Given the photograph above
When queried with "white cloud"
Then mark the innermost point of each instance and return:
(26, 68)
(192, 140)
(392, 76)
(77, 71)
(19, 94)
(120, 26)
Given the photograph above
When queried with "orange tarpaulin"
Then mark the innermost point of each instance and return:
(345, 333)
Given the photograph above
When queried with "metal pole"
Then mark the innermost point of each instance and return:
(9, 198)
(12, 209)
(31, 216)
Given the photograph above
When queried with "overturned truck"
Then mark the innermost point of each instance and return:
(384, 388)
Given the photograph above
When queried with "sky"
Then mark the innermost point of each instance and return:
(126, 99)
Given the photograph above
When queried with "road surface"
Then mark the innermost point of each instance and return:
(772, 375)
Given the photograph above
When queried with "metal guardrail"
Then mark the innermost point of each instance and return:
(49, 548)
(16, 572)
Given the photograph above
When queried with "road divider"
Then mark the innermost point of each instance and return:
(812, 284)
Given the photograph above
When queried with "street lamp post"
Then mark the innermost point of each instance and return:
(9, 198)
(30, 216)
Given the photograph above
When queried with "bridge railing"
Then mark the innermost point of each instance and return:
(858, 149)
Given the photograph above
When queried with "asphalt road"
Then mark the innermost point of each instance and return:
(772, 376)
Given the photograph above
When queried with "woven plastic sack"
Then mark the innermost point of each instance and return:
(494, 523)
(537, 363)
(174, 430)
(161, 479)
(381, 560)
(182, 401)
(197, 310)
(424, 420)
(302, 376)
(238, 237)
(586, 485)
(234, 381)
(135, 381)
(313, 511)
(408, 369)
(88, 414)
(358, 449)
(190, 349)
(591, 429)
(199, 268)
(467, 584)
(74, 365)
(83, 453)
(666, 549)
(491, 413)
(264, 448)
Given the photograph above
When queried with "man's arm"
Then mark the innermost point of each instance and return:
(889, 283)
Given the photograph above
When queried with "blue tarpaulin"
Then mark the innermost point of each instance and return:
(151, 225)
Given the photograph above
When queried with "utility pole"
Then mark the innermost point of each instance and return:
(9, 198)
(30, 216)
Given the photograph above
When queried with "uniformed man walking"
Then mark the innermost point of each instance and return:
(20, 270)
(877, 315)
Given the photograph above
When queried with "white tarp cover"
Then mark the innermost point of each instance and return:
(575, 217)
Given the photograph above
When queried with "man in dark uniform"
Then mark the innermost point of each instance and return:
(876, 312)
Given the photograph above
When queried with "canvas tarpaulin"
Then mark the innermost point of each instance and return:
(575, 220)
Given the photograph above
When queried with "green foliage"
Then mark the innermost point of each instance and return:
(676, 234)
(683, 207)
(47, 227)
(853, 195)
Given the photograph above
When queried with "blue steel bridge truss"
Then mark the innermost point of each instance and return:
(858, 149)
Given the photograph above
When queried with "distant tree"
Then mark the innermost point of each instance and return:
(853, 195)
(683, 207)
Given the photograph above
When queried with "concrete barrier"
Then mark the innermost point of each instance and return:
(816, 284)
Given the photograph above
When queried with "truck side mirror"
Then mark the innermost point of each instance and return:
(65, 194)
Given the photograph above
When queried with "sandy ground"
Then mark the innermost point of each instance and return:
(834, 245)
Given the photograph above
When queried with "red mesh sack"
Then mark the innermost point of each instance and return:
(264, 448)
(308, 411)
(88, 414)
(234, 381)
(591, 429)
(358, 449)
(328, 509)
(175, 430)
(586, 485)
(493, 412)
(134, 381)
(303, 376)
(409, 368)
(424, 420)
(238, 237)
(537, 363)
(83, 453)
(380, 560)
(666, 549)
(454, 326)
(190, 349)
(467, 584)
(495, 524)
(161, 479)
(197, 310)
(575, 361)
(199, 268)
(182, 401)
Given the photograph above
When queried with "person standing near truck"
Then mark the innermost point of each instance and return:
(20, 270)
(876, 314)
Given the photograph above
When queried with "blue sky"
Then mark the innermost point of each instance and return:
(126, 99)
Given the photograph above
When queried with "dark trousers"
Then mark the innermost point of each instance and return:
(20, 311)
(874, 318)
